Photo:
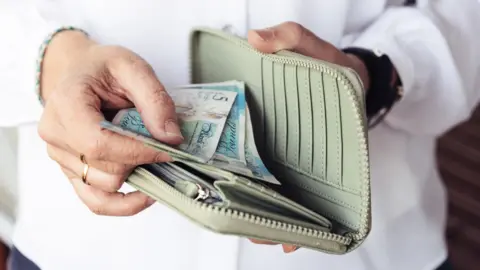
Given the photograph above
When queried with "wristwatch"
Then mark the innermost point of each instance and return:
(385, 84)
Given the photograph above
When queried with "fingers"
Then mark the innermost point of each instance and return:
(85, 135)
(292, 36)
(111, 204)
(289, 248)
(262, 242)
(105, 176)
(286, 248)
(108, 203)
(149, 96)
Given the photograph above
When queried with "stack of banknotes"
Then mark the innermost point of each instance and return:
(215, 122)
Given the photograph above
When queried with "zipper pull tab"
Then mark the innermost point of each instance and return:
(202, 193)
(192, 190)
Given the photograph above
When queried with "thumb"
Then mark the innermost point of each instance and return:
(294, 37)
(151, 100)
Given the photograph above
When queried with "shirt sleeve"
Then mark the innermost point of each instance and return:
(435, 48)
(23, 30)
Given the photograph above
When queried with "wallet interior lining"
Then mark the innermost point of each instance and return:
(289, 154)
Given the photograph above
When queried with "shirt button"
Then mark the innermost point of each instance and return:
(377, 52)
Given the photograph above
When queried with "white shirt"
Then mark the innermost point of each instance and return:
(436, 50)
(7, 183)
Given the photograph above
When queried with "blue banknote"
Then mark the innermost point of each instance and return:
(231, 148)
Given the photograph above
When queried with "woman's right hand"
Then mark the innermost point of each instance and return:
(80, 80)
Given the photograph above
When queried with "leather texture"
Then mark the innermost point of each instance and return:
(309, 124)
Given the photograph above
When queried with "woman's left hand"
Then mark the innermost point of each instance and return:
(294, 37)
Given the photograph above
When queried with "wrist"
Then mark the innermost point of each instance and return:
(65, 48)
(359, 66)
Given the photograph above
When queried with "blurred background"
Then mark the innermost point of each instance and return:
(459, 162)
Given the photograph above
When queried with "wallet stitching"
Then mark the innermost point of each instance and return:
(280, 150)
(314, 190)
(337, 127)
(293, 167)
(299, 139)
(341, 145)
(323, 115)
(309, 121)
(285, 134)
(333, 200)
(262, 111)
(274, 123)
(339, 159)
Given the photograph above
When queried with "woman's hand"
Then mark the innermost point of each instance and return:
(294, 37)
(81, 80)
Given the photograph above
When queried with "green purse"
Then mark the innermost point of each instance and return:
(309, 125)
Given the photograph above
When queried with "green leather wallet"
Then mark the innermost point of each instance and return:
(310, 129)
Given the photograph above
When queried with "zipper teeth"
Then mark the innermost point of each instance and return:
(235, 214)
(353, 97)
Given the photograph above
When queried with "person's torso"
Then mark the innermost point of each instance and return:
(57, 231)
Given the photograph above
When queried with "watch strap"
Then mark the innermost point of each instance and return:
(385, 85)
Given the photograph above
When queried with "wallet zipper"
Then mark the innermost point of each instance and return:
(191, 189)
(352, 95)
(236, 214)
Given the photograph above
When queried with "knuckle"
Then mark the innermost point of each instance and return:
(132, 62)
(293, 26)
(162, 98)
(114, 184)
(133, 156)
(140, 66)
(116, 168)
(136, 157)
(295, 29)
(93, 150)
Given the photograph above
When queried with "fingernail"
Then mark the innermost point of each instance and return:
(290, 249)
(172, 129)
(265, 34)
(151, 201)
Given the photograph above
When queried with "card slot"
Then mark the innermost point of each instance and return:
(306, 125)
(340, 146)
(260, 110)
(319, 160)
(293, 123)
(280, 112)
(349, 177)
(323, 198)
(244, 193)
(334, 132)
(269, 111)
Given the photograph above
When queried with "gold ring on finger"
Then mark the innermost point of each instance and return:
(85, 169)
